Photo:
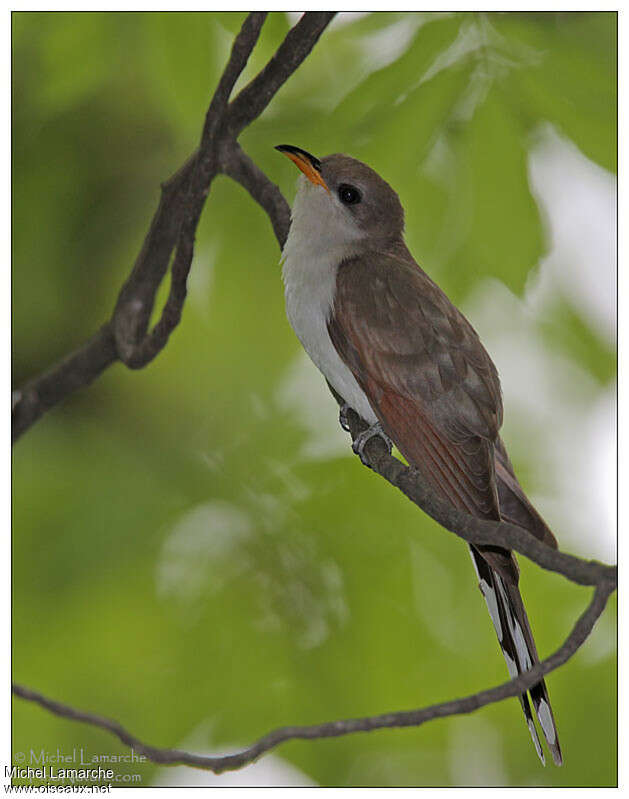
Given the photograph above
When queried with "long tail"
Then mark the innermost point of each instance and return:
(518, 647)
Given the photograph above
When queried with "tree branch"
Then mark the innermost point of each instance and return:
(202, 169)
(240, 52)
(334, 729)
(238, 166)
(468, 527)
(78, 369)
(125, 336)
(255, 97)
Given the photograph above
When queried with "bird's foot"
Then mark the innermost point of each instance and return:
(361, 440)
(343, 420)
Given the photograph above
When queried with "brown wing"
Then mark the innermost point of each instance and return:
(427, 376)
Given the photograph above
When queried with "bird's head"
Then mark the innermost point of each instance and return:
(346, 201)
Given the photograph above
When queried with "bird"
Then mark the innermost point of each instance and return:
(390, 342)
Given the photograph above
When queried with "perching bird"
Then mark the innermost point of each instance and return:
(391, 343)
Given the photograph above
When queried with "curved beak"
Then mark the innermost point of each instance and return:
(309, 165)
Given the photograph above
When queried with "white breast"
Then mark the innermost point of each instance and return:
(316, 244)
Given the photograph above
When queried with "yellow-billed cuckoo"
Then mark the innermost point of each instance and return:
(391, 343)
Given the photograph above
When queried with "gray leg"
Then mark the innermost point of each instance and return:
(362, 438)
(343, 417)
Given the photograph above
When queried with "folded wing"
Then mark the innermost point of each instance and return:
(427, 376)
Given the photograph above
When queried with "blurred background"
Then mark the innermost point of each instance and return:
(196, 551)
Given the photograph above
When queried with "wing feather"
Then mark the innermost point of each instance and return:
(429, 380)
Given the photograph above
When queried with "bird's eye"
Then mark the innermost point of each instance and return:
(349, 195)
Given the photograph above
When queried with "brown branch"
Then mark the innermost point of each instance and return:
(255, 97)
(136, 299)
(468, 527)
(204, 170)
(238, 166)
(240, 52)
(333, 729)
(191, 194)
(125, 336)
(73, 372)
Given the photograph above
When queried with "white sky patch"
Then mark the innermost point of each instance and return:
(579, 201)
(438, 611)
(476, 757)
(270, 771)
(201, 278)
(439, 163)
(386, 45)
(602, 641)
(215, 543)
(342, 18)
(313, 611)
(295, 488)
(584, 460)
(303, 392)
(198, 555)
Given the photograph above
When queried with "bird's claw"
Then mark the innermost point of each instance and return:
(343, 420)
(361, 440)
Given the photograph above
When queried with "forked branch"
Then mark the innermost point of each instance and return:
(125, 337)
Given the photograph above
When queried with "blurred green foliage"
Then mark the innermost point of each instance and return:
(178, 561)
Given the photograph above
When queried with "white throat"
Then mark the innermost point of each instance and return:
(319, 239)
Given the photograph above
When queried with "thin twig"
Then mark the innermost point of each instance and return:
(333, 729)
(135, 302)
(240, 52)
(255, 97)
(238, 166)
(203, 170)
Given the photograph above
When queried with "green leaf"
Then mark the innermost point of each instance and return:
(566, 329)
(499, 226)
(378, 95)
(571, 80)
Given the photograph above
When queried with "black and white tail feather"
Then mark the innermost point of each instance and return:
(518, 647)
